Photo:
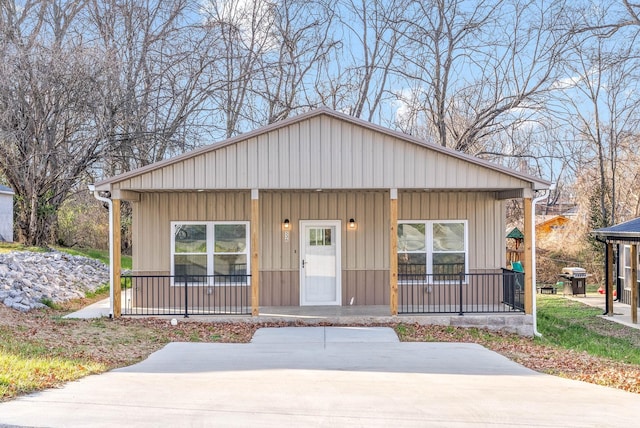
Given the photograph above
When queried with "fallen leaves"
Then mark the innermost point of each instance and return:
(125, 341)
(536, 356)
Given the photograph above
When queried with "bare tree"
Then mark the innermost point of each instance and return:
(618, 15)
(303, 43)
(158, 78)
(480, 69)
(600, 101)
(49, 96)
(241, 33)
(359, 79)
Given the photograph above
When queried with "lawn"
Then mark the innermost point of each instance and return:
(40, 349)
(573, 325)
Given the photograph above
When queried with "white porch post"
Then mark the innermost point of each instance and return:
(529, 231)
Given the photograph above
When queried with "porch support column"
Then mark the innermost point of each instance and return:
(609, 283)
(529, 230)
(116, 265)
(393, 251)
(634, 284)
(255, 242)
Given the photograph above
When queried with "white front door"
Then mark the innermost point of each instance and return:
(320, 262)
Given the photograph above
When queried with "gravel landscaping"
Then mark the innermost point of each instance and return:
(30, 280)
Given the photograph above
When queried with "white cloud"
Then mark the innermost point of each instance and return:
(567, 82)
(405, 105)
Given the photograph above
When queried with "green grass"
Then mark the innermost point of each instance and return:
(6, 247)
(102, 255)
(29, 366)
(573, 325)
(50, 303)
(591, 288)
(100, 291)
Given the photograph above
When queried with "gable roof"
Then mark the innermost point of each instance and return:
(515, 234)
(629, 230)
(322, 149)
(553, 219)
(6, 190)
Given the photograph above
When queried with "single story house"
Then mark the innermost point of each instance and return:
(621, 263)
(320, 209)
(6, 214)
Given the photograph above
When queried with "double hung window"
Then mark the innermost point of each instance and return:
(436, 248)
(209, 248)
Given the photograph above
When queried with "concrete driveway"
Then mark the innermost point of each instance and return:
(325, 377)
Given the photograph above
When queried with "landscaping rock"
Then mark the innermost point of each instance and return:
(26, 278)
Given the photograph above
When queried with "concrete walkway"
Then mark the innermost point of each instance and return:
(621, 311)
(325, 377)
(96, 310)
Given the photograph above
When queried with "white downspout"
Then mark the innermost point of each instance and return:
(533, 262)
(93, 190)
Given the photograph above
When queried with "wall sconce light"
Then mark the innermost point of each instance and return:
(286, 225)
(352, 224)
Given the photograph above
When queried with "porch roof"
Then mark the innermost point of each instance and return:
(323, 149)
(628, 231)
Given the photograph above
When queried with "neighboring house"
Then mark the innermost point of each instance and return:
(320, 209)
(622, 263)
(552, 227)
(6, 214)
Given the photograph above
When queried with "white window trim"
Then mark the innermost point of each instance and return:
(428, 232)
(210, 225)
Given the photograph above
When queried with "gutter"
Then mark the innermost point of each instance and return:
(533, 262)
(92, 189)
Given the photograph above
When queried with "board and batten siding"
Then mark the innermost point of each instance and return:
(365, 251)
(323, 152)
(153, 214)
(485, 216)
(365, 260)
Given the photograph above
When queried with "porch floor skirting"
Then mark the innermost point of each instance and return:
(511, 322)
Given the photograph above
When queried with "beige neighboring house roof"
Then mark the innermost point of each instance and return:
(323, 149)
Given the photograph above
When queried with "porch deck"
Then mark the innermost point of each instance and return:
(511, 322)
(514, 322)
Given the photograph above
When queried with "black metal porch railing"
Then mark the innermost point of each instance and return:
(186, 295)
(461, 293)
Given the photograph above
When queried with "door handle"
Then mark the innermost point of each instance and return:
(303, 263)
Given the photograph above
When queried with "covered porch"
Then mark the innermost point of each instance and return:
(621, 272)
